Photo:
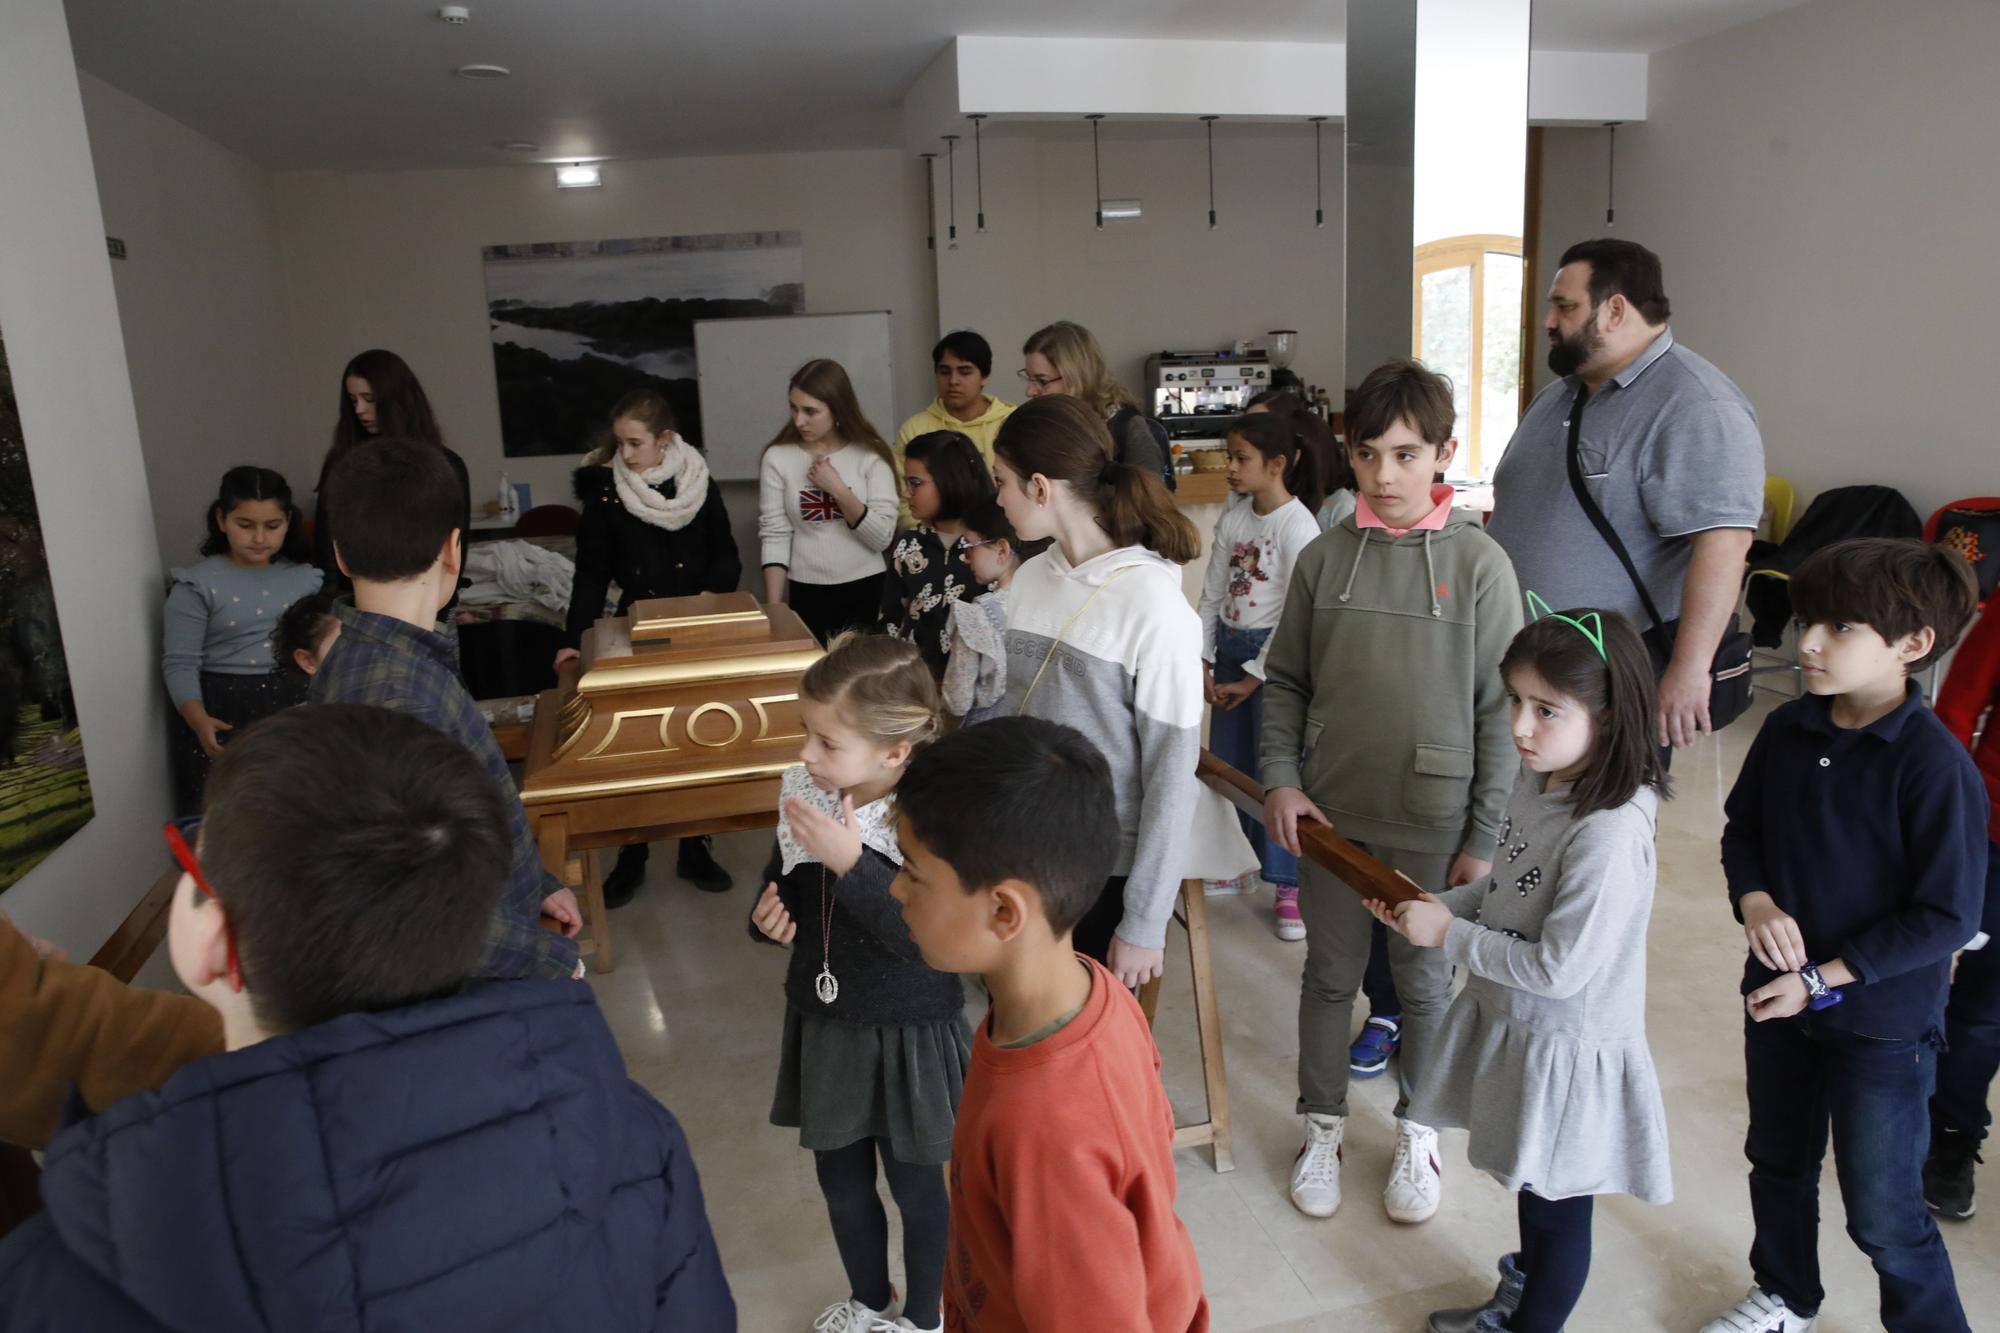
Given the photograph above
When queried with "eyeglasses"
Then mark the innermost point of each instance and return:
(1039, 381)
(967, 544)
(181, 835)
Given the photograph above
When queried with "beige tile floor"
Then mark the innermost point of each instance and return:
(697, 1008)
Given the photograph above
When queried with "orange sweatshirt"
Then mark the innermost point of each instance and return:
(1062, 1174)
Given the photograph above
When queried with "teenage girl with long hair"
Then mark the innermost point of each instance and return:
(929, 563)
(1106, 599)
(652, 522)
(379, 396)
(826, 505)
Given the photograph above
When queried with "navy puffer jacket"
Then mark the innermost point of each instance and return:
(475, 1163)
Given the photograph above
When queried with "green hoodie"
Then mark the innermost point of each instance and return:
(1382, 694)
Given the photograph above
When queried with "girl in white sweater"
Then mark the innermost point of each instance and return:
(826, 505)
(1269, 519)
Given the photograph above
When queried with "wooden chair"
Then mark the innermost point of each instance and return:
(1191, 913)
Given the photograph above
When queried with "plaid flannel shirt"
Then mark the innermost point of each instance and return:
(386, 662)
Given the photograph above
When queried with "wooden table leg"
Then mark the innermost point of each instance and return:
(594, 910)
(1208, 1021)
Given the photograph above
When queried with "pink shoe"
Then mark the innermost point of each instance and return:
(1291, 926)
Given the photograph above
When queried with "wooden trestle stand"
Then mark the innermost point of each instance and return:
(679, 723)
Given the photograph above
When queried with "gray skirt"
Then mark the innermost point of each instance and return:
(839, 1083)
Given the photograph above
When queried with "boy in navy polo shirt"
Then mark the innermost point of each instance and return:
(1855, 851)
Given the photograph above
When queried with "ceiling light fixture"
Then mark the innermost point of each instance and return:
(578, 176)
(1319, 174)
(979, 168)
(951, 185)
(930, 200)
(1120, 210)
(482, 71)
(1209, 122)
(455, 15)
(1096, 170)
(1610, 169)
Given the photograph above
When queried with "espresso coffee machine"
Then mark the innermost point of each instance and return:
(1195, 393)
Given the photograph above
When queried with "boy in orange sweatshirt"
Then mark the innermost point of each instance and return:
(1064, 1143)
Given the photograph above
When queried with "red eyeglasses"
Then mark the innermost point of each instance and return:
(181, 835)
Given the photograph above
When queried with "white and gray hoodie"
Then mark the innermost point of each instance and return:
(1127, 674)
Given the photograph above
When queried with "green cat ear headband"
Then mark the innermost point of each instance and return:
(1591, 626)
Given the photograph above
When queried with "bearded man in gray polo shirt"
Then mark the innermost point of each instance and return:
(1669, 450)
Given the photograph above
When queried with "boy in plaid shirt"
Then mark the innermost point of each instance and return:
(396, 506)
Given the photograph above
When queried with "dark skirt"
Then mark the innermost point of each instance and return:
(839, 1083)
(829, 608)
(239, 701)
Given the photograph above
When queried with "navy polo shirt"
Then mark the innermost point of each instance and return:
(1874, 841)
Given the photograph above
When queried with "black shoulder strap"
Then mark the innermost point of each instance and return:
(1596, 515)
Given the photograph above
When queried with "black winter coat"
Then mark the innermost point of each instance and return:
(646, 561)
(474, 1163)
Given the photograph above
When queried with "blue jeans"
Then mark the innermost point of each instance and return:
(1972, 1027)
(1234, 735)
(1874, 1095)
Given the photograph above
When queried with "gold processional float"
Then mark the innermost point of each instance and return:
(678, 721)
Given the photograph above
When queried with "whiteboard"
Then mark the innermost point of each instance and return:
(743, 365)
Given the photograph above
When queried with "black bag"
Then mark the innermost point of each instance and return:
(1974, 534)
(1729, 672)
(1118, 424)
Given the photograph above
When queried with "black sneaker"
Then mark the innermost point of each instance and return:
(697, 864)
(1948, 1174)
(626, 876)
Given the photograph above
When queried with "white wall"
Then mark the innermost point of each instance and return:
(1165, 281)
(1822, 189)
(60, 319)
(201, 301)
(392, 260)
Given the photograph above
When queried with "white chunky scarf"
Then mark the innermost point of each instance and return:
(684, 466)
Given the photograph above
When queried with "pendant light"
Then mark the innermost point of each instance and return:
(1209, 122)
(931, 199)
(1096, 169)
(1319, 174)
(1610, 170)
(951, 184)
(979, 168)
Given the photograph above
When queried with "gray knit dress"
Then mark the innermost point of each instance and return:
(1543, 1056)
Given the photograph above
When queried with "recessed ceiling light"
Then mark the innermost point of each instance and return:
(578, 176)
(482, 71)
(518, 146)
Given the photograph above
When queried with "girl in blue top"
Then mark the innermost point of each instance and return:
(221, 616)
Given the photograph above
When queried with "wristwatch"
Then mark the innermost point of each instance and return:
(1819, 995)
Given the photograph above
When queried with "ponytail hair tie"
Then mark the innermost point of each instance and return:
(1108, 474)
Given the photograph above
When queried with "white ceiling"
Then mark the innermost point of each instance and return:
(367, 84)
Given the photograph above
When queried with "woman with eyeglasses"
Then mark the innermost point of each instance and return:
(1065, 358)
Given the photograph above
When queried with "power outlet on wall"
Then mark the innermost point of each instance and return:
(115, 246)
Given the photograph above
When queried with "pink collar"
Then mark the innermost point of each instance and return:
(1441, 497)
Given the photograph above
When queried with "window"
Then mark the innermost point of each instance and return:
(1468, 327)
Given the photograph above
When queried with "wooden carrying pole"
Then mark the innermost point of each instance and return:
(1356, 868)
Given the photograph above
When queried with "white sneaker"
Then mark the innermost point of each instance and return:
(1415, 1185)
(851, 1316)
(1316, 1172)
(1759, 1312)
(905, 1326)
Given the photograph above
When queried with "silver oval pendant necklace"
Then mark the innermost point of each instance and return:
(824, 985)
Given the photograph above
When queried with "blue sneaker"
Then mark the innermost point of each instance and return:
(1369, 1055)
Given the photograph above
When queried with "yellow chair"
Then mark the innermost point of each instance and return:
(1778, 499)
(1777, 525)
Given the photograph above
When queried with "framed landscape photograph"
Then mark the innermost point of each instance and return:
(577, 324)
(44, 787)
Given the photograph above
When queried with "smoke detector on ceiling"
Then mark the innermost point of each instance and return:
(482, 71)
(456, 15)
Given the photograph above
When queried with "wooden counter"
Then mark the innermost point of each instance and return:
(1201, 488)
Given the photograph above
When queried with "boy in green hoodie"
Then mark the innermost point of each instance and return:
(1385, 718)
